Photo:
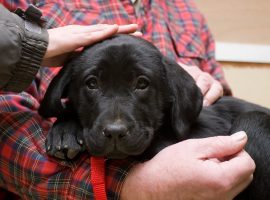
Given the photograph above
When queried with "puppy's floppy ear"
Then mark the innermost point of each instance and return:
(51, 105)
(186, 98)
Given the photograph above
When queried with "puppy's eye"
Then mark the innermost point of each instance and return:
(142, 83)
(92, 82)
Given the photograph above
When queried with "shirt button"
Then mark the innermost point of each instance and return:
(133, 1)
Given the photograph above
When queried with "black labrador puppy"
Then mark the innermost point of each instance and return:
(122, 97)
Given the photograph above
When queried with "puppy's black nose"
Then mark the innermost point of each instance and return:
(115, 131)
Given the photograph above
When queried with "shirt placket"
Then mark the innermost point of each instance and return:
(140, 18)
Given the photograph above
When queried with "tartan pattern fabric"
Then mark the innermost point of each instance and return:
(176, 27)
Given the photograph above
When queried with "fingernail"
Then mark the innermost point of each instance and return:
(239, 136)
(205, 103)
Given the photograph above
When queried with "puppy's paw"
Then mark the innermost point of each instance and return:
(64, 140)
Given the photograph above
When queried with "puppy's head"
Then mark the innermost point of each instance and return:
(121, 90)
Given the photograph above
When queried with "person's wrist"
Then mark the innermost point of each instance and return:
(137, 183)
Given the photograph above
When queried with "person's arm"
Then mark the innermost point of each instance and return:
(199, 169)
(25, 46)
(22, 47)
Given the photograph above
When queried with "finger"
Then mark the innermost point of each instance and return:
(213, 94)
(137, 34)
(220, 146)
(130, 28)
(239, 168)
(93, 37)
(204, 82)
(184, 66)
(247, 164)
(86, 29)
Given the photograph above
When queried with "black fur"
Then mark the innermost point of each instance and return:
(126, 99)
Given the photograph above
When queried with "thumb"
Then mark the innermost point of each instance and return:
(222, 146)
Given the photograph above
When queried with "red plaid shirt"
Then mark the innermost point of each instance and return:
(175, 27)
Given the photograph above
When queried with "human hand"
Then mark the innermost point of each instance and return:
(198, 169)
(210, 87)
(66, 39)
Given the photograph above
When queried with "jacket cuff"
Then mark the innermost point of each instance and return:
(33, 48)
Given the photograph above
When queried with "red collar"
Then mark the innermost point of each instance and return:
(98, 178)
